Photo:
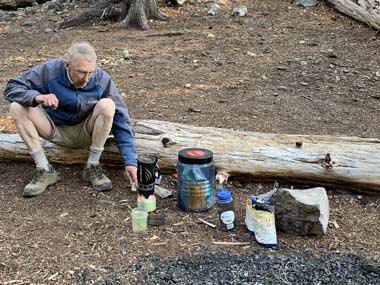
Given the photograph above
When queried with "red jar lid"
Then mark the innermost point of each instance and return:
(195, 156)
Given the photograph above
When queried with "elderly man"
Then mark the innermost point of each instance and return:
(72, 103)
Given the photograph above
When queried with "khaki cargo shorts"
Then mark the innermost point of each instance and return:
(70, 136)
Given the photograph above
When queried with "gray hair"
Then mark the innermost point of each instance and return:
(81, 49)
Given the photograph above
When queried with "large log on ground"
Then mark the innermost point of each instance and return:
(365, 11)
(317, 160)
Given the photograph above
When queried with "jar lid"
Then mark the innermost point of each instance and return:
(156, 219)
(195, 155)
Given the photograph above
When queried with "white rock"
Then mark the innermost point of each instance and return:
(305, 212)
(162, 192)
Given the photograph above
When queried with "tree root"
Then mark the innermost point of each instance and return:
(129, 12)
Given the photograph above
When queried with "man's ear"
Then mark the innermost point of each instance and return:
(66, 64)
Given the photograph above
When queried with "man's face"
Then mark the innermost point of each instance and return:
(80, 71)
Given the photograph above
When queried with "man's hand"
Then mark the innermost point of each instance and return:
(131, 173)
(47, 100)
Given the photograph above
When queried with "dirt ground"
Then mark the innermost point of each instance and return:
(282, 69)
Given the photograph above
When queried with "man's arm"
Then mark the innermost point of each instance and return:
(121, 127)
(24, 88)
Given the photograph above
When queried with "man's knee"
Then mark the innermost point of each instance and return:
(106, 107)
(17, 110)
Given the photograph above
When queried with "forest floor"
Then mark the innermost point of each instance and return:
(281, 69)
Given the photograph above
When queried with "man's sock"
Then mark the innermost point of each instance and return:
(40, 159)
(94, 156)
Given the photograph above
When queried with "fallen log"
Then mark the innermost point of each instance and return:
(311, 159)
(365, 11)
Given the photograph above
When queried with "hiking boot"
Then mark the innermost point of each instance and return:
(41, 180)
(94, 174)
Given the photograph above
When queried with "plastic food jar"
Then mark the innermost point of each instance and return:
(196, 179)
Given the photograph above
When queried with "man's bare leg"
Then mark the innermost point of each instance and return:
(99, 127)
(100, 123)
(30, 123)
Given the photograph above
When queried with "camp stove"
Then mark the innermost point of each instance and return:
(148, 174)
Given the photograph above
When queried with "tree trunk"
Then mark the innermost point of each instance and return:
(129, 12)
(366, 11)
(317, 160)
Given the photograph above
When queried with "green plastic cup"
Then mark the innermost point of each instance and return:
(139, 220)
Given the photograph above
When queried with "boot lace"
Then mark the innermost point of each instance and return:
(96, 171)
(38, 175)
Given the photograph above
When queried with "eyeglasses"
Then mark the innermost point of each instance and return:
(82, 73)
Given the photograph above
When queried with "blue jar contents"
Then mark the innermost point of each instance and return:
(226, 211)
(196, 179)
